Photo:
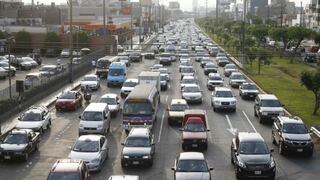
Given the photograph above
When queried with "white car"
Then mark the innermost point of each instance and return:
(191, 93)
(33, 63)
(156, 66)
(65, 53)
(188, 80)
(93, 149)
(236, 79)
(113, 102)
(128, 86)
(222, 98)
(37, 118)
(165, 72)
(214, 80)
(91, 81)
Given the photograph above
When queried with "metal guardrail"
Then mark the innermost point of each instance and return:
(315, 131)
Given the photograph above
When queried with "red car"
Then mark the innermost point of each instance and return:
(70, 100)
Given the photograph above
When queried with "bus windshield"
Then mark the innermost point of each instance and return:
(137, 108)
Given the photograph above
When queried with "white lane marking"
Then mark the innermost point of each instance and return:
(162, 119)
(249, 121)
(232, 130)
(210, 135)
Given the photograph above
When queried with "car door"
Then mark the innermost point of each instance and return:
(256, 105)
(153, 149)
(103, 148)
(277, 131)
(234, 149)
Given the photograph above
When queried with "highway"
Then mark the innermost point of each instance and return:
(57, 141)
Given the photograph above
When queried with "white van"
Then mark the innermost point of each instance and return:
(95, 119)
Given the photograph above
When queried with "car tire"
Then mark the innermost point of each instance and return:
(37, 147)
(255, 113)
(281, 150)
(238, 175)
(170, 123)
(41, 130)
(26, 157)
(214, 109)
(261, 121)
(49, 124)
(273, 140)
(123, 164)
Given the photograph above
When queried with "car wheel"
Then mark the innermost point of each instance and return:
(273, 140)
(261, 120)
(238, 175)
(231, 157)
(169, 123)
(281, 150)
(37, 147)
(123, 164)
(41, 130)
(49, 124)
(255, 113)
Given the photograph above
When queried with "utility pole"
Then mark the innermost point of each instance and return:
(281, 13)
(268, 16)
(140, 9)
(301, 13)
(243, 33)
(70, 43)
(206, 8)
(217, 10)
(131, 43)
(104, 20)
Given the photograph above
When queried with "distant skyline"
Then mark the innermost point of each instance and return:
(185, 5)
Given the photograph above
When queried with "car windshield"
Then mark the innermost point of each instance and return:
(103, 63)
(64, 176)
(89, 78)
(249, 87)
(16, 139)
(215, 78)
(116, 72)
(225, 94)
(253, 147)
(163, 71)
(294, 128)
(67, 96)
(129, 84)
(192, 166)
(210, 65)
(188, 81)
(109, 101)
(194, 127)
(240, 76)
(92, 116)
(270, 103)
(31, 116)
(186, 70)
(137, 108)
(191, 89)
(178, 107)
(230, 66)
(163, 78)
(47, 69)
(165, 55)
(137, 142)
(86, 146)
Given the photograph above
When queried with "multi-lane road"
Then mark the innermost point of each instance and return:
(56, 142)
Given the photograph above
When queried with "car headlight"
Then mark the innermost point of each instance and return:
(126, 157)
(281, 113)
(241, 164)
(95, 161)
(81, 125)
(146, 157)
(264, 113)
(233, 102)
(272, 164)
(99, 126)
(217, 102)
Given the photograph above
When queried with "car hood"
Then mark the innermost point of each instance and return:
(84, 83)
(271, 109)
(249, 91)
(91, 124)
(136, 151)
(13, 147)
(211, 81)
(237, 80)
(176, 113)
(191, 94)
(127, 88)
(224, 99)
(113, 107)
(255, 159)
(230, 70)
(192, 176)
(85, 156)
(194, 135)
(29, 124)
(299, 137)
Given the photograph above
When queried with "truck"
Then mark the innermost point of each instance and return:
(148, 77)
(194, 129)
(102, 65)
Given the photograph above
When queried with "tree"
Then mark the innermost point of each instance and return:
(251, 54)
(23, 40)
(263, 56)
(52, 40)
(254, 19)
(80, 39)
(2, 35)
(259, 32)
(280, 34)
(298, 34)
(311, 80)
(316, 38)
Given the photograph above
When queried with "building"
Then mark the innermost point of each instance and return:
(254, 5)
(312, 14)
(195, 6)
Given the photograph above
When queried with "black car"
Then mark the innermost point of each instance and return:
(135, 57)
(149, 55)
(311, 58)
(19, 144)
(252, 157)
(210, 68)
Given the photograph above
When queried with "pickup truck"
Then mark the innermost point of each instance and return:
(19, 143)
(194, 129)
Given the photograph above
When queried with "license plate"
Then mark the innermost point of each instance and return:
(299, 150)
(194, 145)
(257, 172)
(7, 157)
(135, 162)
(251, 95)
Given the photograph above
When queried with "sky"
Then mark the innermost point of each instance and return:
(184, 4)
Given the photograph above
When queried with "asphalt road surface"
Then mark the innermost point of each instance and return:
(57, 141)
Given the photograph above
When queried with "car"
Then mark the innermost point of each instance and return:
(248, 91)
(113, 102)
(214, 80)
(156, 67)
(204, 61)
(8, 68)
(50, 52)
(19, 143)
(185, 64)
(164, 72)
(51, 70)
(311, 58)
(90, 81)
(187, 71)
(222, 61)
(138, 148)
(188, 80)
(76, 60)
(3, 73)
(120, 49)
(92, 149)
(199, 56)
(69, 100)
(236, 79)
(267, 107)
(214, 51)
(229, 68)
(33, 63)
(128, 86)
(191, 165)
(123, 177)
(176, 111)
(192, 93)
(292, 135)
(210, 68)
(125, 60)
(65, 53)
(69, 169)
(22, 64)
(37, 118)
(251, 156)
(135, 56)
(36, 57)
(163, 82)
(165, 59)
(149, 54)
(222, 98)
(221, 54)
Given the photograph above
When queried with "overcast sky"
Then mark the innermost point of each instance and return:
(185, 4)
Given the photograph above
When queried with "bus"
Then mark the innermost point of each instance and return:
(140, 107)
(102, 65)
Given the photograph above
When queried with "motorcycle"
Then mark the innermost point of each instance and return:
(87, 97)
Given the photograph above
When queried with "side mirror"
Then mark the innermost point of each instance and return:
(103, 149)
(173, 169)
(19, 118)
(271, 150)
(80, 117)
(122, 144)
(208, 130)
(152, 144)
(211, 169)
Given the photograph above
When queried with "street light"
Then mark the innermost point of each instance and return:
(9, 40)
(71, 43)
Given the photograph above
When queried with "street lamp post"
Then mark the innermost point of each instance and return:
(9, 40)
(131, 11)
(71, 43)
(140, 9)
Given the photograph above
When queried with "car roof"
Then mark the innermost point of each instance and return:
(222, 89)
(188, 77)
(191, 155)
(249, 136)
(191, 85)
(267, 96)
(287, 119)
(214, 75)
(132, 80)
(178, 101)
(90, 137)
(109, 95)
(236, 73)
(96, 107)
(123, 177)
(20, 131)
(90, 75)
(66, 165)
(139, 132)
